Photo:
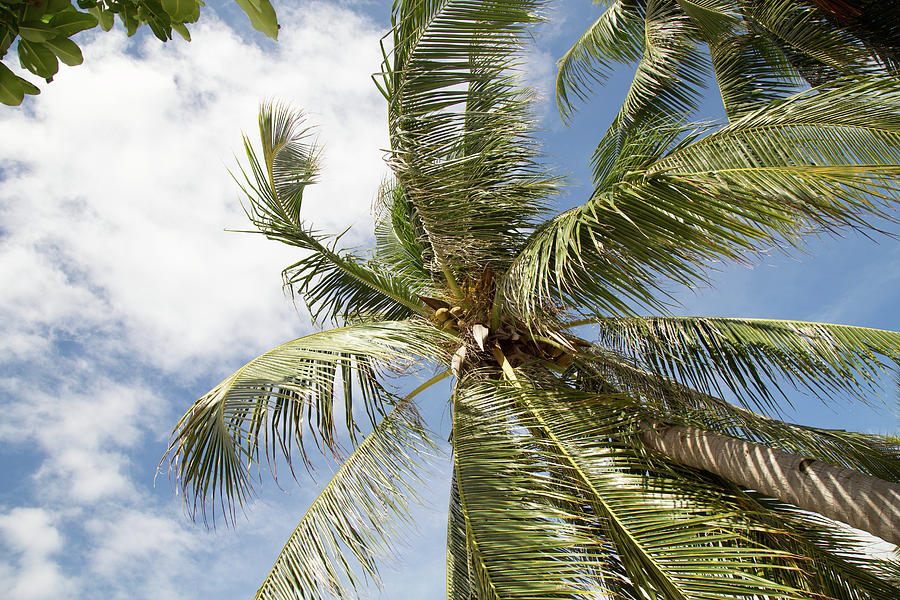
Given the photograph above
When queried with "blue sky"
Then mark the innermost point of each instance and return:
(122, 298)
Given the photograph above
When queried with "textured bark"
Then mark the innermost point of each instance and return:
(864, 502)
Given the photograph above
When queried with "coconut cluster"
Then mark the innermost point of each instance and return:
(519, 346)
(450, 319)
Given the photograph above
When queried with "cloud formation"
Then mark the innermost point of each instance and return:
(123, 297)
(33, 538)
(116, 198)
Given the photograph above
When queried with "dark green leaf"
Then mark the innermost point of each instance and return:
(67, 50)
(7, 37)
(38, 59)
(105, 17)
(130, 18)
(37, 31)
(151, 12)
(70, 22)
(179, 9)
(181, 30)
(13, 88)
(53, 7)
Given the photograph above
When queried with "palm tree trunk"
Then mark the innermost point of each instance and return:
(864, 502)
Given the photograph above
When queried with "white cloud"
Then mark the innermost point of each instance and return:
(32, 537)
(83, 434)
(130, 537)
(541, 76)
(116, 208)
(118, 284)
(30, 531)
(38, 295)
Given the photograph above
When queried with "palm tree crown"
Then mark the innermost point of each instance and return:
(562, 484)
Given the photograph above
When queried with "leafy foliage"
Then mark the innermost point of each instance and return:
(44, 31)
(757, 52)
(379, 476)
(553, 493)
(752, 356)
(669, 199)
(265, 403)
(461, 146)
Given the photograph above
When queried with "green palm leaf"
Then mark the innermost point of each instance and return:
(675, 537)
(459, 126)
(524, 532)
(823, 160)
(752, 356)
(749, 66)
(263, 405)
(459, 560)
(341, 286)
(401, 243)
(355, 517)
(671, 71)
(334, 284)
(616, 36)
(845, 566)
(289, 164)
(757, 51)
(802, 28)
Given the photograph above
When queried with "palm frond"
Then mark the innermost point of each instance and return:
(263, 406)
(672, 69)
(750, 70)
(845, 568)
(335, 285)
(570, 260)
(349, 527)
(674, 537)
(460, 127)
(825, 160)
(616, 36)
(401, 243)
(753, 357)
(459, 560)
(805, 30)
(841, 563)
(605, 371)
(525, 531)
(342, 286)
(289, 164)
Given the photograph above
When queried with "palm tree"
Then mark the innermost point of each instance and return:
(758, 51)
(577, 464)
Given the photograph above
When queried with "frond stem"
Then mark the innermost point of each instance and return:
(439, 377)
(580, 322)
(451, 283)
